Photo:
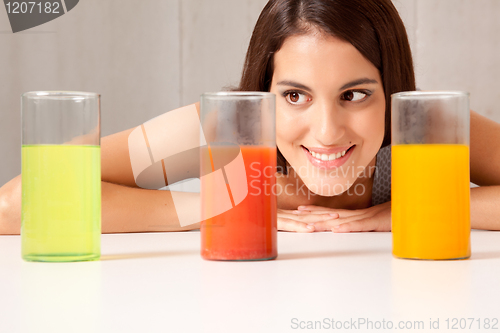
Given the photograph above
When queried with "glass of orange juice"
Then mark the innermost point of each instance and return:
(238, 183)
(430, 175)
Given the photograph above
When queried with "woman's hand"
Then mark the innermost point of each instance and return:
(315, 218)
(304, 221)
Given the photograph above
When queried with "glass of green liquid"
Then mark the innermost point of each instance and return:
(61, 176)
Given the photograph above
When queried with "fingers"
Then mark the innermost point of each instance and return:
(309, 218)
(303, 222)
(316, 212)
(356, 223)
(327, 225)
(355, 226)
(311, 208)
(343, 213)
(368, 224)
(286, 224)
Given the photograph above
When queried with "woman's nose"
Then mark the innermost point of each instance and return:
(327, 125)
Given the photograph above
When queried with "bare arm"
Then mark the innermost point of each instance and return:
(485, 208)
(125, 206)
(484, 150)
(485, 171)
(124, 209)
(10, 207)
(115, 161)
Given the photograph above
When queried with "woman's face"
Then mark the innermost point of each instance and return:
(330, 111)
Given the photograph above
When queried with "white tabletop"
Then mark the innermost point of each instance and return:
(157, 282)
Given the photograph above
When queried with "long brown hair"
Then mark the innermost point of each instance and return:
(373, 27)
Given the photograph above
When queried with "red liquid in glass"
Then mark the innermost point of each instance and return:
(247, 231)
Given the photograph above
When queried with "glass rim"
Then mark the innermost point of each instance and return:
(430, 94)
(60, 94)
(238, 94)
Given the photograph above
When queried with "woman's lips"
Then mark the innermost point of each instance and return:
(328, 161)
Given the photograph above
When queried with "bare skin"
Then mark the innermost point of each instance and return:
(127, 208)
(328, 97)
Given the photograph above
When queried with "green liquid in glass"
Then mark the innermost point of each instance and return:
(61, 202)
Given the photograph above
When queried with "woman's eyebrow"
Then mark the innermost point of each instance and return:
(354, 83)
(293, 84)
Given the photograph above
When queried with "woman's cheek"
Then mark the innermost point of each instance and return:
(371, 124)
(286, 131)
(372, 127)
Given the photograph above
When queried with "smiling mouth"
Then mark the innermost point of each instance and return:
(329, 157)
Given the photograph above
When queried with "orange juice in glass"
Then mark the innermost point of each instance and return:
(246, 231)
(238, 195)
(430, 175)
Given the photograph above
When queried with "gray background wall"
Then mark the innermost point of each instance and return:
(150, 56)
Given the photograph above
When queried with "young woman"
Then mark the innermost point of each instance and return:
(333, 65)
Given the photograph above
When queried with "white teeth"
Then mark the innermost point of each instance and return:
(324, 157)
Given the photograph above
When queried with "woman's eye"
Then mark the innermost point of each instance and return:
(294, 97)
(353, 96)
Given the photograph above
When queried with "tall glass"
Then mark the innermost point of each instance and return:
(238, 183)
(61, 176)
(430, 175)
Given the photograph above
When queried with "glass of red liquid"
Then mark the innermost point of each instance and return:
(238, 182)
